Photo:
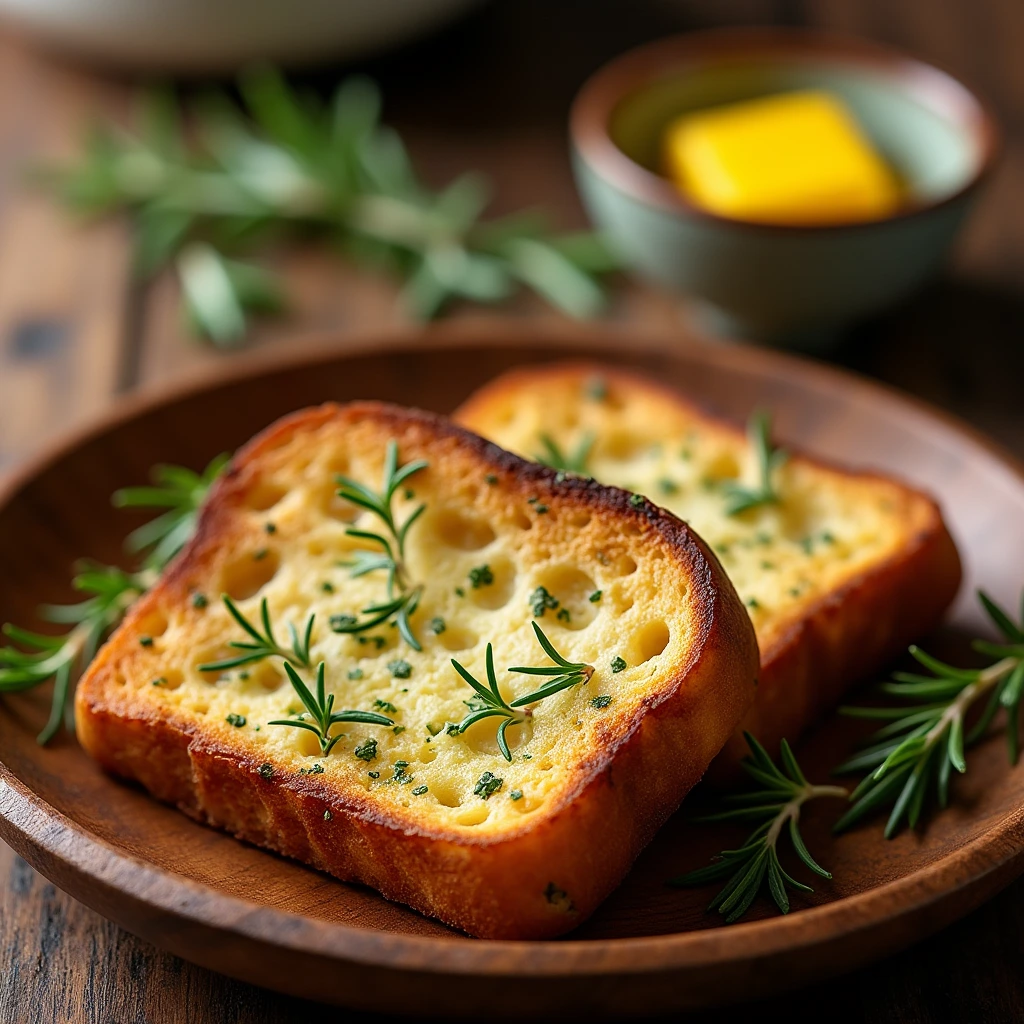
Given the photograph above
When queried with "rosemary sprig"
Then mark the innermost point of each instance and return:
(741, 498)
(914, 753)
(263, 644)
(574, 461)
(288, 164)
(61, 657)
(489, 703)
(181, 492)
(320, 708)
(403, 597)
(109, 591)
(775, 804)
(566, 673)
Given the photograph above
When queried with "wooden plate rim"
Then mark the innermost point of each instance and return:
(34, 827)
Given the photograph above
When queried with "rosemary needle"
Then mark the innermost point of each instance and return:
(403, 596)
(320, 710)
(774, 804)
(741, 498)
(914, 753)
(108, 590)
(262, 642)
(285, 163)
(487, 701)
(569, 461)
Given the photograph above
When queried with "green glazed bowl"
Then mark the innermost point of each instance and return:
(784, 284)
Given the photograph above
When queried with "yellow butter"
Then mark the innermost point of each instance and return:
(795, 158)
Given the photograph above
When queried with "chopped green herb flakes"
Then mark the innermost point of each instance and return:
(541, 601)
(487, 785)
(481, 576)
(367, 750)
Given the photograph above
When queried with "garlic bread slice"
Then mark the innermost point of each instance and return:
(603, 659)
(838, 570)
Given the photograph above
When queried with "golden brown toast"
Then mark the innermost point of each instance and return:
(427, 814)
(838, 576)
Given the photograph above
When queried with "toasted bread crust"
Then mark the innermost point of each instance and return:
(825, 645)
(490, 885)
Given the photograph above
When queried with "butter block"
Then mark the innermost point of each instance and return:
(794, 158)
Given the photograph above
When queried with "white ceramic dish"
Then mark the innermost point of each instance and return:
(196, 36)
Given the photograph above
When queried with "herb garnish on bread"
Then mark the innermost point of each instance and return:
(658, 662)
(839, 570)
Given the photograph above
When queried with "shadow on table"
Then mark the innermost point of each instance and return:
(958, 345)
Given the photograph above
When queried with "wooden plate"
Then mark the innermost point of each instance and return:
(252, 915)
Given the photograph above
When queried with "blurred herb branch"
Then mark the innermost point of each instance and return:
(281, 163)
(37, 658)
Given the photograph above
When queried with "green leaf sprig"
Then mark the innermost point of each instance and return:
(774, 804)
(320, 708)
(574, 461)
(109, 591)
(403, 597)
(914, 754)
(489, 703)
(262, 643)
(181, 492)
(288, 164)
(739, 497)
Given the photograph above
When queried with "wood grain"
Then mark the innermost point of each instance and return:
(73, 965)
(958, 345)
(64, 286)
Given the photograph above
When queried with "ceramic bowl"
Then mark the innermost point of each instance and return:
(218, 36)
(787, 284)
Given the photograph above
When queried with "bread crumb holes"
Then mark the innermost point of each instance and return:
(649, 641)
(248, 575)
(264, 494)
(461, 532)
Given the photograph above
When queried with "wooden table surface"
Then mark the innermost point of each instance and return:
(491, 93)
